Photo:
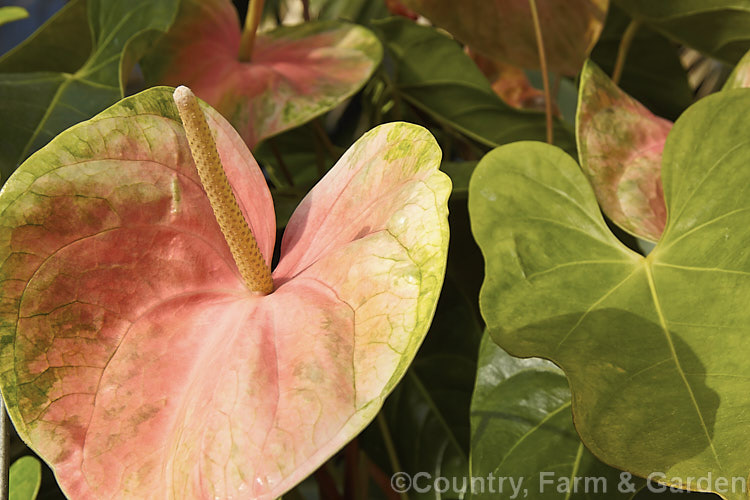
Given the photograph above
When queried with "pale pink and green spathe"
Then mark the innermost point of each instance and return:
(620, 146)
(295, 73)
(135, 361)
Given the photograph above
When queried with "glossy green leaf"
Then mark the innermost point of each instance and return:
(503, 29)
(653, 73)
(433, 74)
(653, 347)
(134, 359)
(295, 74)
(10, 14)
(25, 478)
(62, 44)
(719, 28)
(620, 145)
(522, 427)
(56, 79)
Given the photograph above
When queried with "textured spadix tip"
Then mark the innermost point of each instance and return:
(182, 96)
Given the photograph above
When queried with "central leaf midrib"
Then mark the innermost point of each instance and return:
(663, 324)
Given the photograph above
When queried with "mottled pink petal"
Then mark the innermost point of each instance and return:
(296, 73)
(620, 144)
(503, 29)
(134, 360)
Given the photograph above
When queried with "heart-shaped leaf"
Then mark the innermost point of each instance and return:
(10, 14)
(719, 28)
(134, 359)
(503, 29)
(620, 144)
(433, 74)
(296, 73)
(522, 429)
(653, 347)
(57, 77)
(25, 478)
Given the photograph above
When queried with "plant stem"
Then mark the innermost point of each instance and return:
(543, 67)
(5, 452)
(390, 448)
(333, 151)
(351, 470)
(326, 484)
(622, 50)
(282, 164)
(252, 20)
(380, 479)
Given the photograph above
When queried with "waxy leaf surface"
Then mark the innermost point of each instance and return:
(134, 360)
(522, 426)
(71, 69)
(654, 347)
(652, 73)
(620, 145)
(295, 74)
(503, 29)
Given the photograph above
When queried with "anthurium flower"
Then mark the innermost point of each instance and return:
(290, 75)
(140, 358)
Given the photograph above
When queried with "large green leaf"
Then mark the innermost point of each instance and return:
(522, 429)
(652, 73)
(433, 74)
(720, 28)
(66, 72)
(654, 347)
(25, 478)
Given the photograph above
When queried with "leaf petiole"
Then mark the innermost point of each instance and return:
(543, 67)
(252, 20)
(622, 50)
